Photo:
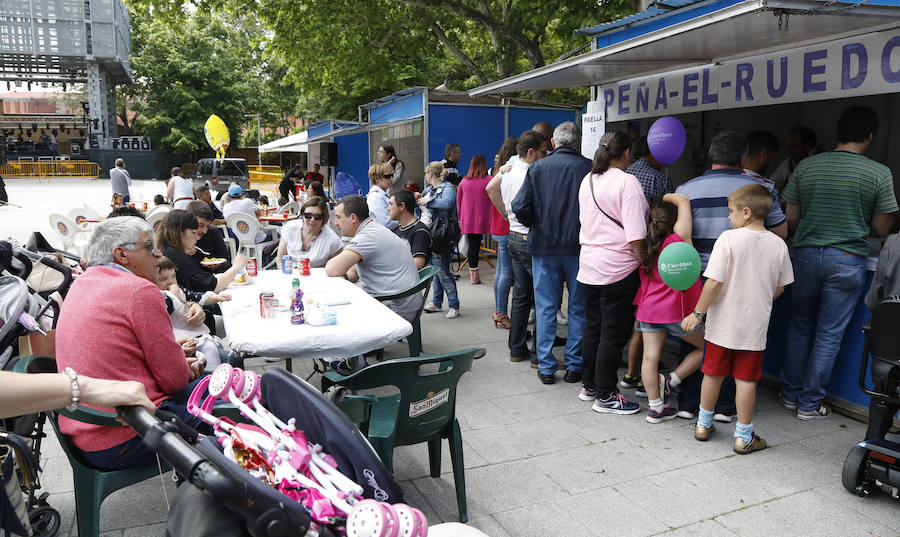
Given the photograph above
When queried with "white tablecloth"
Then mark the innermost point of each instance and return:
(363, 324)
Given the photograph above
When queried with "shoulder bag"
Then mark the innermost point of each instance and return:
(594, 197)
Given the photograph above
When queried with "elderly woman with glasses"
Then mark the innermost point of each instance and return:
(177, 238)
(308, 236)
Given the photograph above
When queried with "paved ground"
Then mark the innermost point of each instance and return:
(539, 462)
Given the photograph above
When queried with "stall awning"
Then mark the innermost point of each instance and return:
(730, 30)
(295, 143)
(365, 127)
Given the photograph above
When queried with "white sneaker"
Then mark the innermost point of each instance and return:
(686, 414)
(561, 317)
(453, 313)
(723, 418)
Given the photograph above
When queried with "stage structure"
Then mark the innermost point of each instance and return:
(65, 42)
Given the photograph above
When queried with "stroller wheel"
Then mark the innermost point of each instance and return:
(44, 521)
(853, 476)
(336, 393)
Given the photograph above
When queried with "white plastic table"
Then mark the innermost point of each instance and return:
(363, 323)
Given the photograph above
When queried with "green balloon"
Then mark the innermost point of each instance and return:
(679, 265)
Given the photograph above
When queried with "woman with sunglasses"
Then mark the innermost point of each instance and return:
(377, 199)
(308, 236)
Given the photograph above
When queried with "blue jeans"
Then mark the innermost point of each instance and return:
(550, 272)
(827, 285)
(444, 282)
(503, 277)
(523, 295)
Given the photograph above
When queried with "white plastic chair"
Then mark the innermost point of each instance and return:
(245, 227)
(159, 209)
(155, 219)
(80, 213)
(292, 206)
(70, 233)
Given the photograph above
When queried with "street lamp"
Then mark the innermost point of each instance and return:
(258, 137)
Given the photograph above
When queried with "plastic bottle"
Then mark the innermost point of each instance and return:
(297, 316)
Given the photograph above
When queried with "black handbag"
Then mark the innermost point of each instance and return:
(445, 234)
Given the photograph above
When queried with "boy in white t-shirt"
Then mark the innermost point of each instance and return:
(747, 270)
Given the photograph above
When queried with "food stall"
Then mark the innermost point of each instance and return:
(745, 65)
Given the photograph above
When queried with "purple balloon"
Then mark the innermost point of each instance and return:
(666, 139)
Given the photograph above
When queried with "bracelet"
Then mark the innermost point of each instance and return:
(76, 391)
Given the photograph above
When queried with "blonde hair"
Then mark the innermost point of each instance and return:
(437, 169)
(756, 197)
(378, 169)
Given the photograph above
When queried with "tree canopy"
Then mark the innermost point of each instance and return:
(323, 58)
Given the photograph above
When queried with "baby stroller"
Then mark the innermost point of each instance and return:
(23, 311)
(875, 462)
(264, 510)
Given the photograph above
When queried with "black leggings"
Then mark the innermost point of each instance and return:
(608, 325)
(474, 249)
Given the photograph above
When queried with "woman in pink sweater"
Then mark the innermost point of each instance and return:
(114, 325)
(474, 208)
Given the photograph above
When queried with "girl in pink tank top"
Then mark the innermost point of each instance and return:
(660, 308)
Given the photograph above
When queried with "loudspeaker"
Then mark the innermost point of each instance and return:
(115, 143)
(328, 154)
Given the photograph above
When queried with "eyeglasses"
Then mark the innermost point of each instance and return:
(313, 216)
(149, 244)
(387, 176)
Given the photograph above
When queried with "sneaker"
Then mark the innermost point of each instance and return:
(702, 433)
(723, 418)
(667, 413)
(431, 308)
(534, 362)
(640, 391)
(587, 394)
(616, 404)
(743, 448)
(822, 411)
(628, 382)
(687, 414)
(453, 313)
(531, 317)
(788, 405)
(665, 386)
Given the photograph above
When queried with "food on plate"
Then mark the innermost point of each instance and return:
(212, 261)
(241, 278)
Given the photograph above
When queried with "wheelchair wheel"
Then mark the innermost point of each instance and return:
(853, 476)
(44, 521)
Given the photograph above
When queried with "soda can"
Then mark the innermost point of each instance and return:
(266, 309)
(287, 264)
(145, 205)
(251, 266)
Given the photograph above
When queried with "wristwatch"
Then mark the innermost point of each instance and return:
(701, 316)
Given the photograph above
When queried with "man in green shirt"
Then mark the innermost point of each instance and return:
(832, 199)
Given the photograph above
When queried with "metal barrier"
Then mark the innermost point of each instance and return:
(264, 168)
(266, 177)
(47, 170)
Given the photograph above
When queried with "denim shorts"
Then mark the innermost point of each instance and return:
(672, 328)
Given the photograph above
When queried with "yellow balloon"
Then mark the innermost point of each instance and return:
(217, 135)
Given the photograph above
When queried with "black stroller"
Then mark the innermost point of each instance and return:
(23, 311)
(230, 494)
(875, 462)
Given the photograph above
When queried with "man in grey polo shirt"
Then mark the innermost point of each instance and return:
(375, 256)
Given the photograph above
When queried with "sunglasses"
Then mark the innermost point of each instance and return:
(387, 176)
(311, 216)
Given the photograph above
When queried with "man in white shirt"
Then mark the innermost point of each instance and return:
(375, 256)
(502, 190)
(240, 204)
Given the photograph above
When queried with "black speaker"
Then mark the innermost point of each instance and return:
(328, 154)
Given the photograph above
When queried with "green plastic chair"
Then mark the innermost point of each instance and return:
(423, 411)
(421, 286)
(91, 486)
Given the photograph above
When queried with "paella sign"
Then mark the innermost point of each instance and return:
(430, 403)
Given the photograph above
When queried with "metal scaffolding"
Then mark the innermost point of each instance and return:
(69, 41)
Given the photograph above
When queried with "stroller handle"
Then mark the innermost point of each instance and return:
(164, 439)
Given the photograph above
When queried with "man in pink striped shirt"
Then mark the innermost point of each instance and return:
(114, 325)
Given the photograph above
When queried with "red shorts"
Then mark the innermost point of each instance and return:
(742, 365)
